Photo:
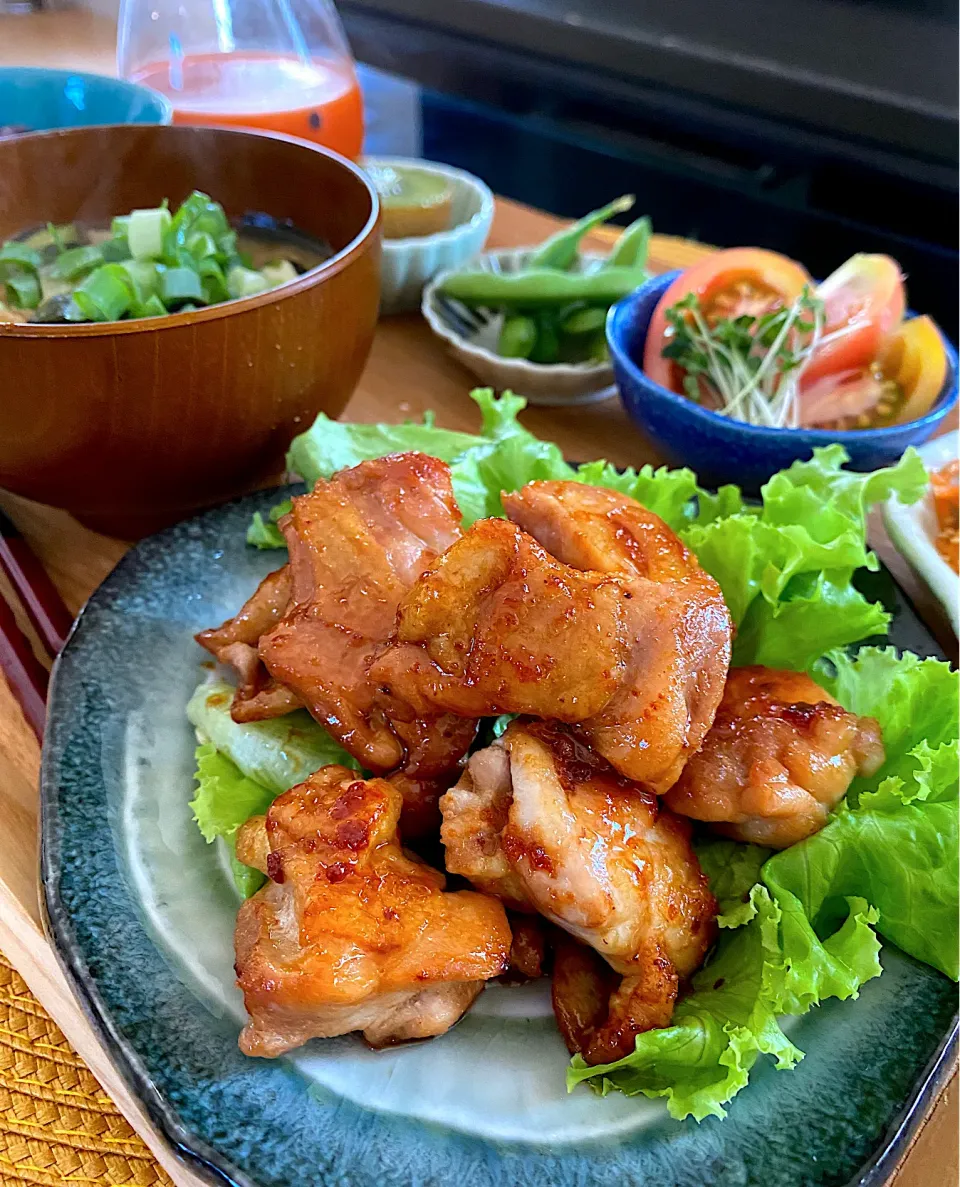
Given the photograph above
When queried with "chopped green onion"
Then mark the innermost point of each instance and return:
(115, 250)
(18, 257)
(119, 225)
(213, 281)
(245, 282)
(76, 261)
(279, 272)
(145, 232)
(227, 244)
(152, 307)
(25, 290)
(106, 294)
(178, 285)
(145, 276)
(201, 244)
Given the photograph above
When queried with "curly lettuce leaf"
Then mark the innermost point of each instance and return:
(674, 495)
(505, 457)
(771, 964)
(786, 569)
(264, 533)
(277, 754)
(733, 870)
(704, 1057)
(225, 799)
(332, 445)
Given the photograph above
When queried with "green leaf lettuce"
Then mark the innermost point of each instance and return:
(241, 769)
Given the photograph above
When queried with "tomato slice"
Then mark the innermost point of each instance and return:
(915, 357)
(856, 399)
(865, 295)
(728, 283)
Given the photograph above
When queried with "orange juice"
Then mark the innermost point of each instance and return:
(316, 100)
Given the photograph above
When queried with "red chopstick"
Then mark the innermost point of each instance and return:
(25, 674)
(51, 620)
(41, 602)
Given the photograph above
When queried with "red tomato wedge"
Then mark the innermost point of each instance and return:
(729, 283)
(866, 294)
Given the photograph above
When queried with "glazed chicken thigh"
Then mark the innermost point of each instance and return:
(357, 544)
(546, 825)
(679, 626)
(781, 754)
(235, 643)
(351, 933)
(499, 626)
(634, 654)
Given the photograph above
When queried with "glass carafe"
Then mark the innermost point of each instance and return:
(277, 65)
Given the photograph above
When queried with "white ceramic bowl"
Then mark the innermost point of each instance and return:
(913, 529)
(472, 336)
(407, 264)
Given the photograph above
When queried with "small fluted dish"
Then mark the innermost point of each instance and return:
(472, 336)
(406, 265)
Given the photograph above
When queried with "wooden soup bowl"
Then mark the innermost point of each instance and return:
(132, 425)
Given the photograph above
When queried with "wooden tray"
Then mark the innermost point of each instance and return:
(408, 373)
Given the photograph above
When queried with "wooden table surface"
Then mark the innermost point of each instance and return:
(408, 373)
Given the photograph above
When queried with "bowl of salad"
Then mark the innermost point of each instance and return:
(172, 310)
(742, 364)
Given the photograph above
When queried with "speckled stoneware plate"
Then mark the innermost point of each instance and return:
(141, 912)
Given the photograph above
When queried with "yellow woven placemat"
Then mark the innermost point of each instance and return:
(57, 1125)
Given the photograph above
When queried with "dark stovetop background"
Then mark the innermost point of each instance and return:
(814, 127)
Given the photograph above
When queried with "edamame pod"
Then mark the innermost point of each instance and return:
(542, 287)
(560, 250)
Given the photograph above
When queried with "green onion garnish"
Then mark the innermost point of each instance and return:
(145, 232)
(178, 285)
(17, 257)
(245, 282)
(106, 295)
(76, 262)
(25, 287)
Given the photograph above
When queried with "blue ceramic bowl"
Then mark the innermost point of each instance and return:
(41, 100)
(722, 450)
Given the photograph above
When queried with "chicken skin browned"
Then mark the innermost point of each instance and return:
(781, 754)
(234, 643)
(499, 626)
(351, 933)
(549, 826)
(680, 629)
(357, 544)
(591, 527)
(634, 655)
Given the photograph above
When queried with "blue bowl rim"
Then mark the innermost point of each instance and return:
(946, 400)
(55, 74)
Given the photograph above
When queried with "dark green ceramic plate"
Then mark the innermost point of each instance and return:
(141, 912)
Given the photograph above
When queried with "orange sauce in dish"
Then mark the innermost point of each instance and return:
(945, 484)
